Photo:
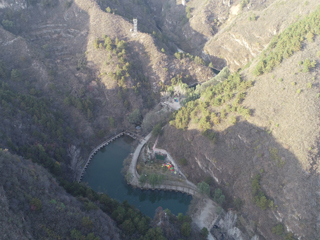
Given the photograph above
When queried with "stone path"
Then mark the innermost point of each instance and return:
(133, 165)
(186, 187)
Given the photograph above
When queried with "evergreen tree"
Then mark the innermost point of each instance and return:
(107, 41)
(186, 229)
(16, 75)
(135, 117)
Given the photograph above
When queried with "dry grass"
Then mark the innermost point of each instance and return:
(246, 39)
(277, 139)
(294, 113)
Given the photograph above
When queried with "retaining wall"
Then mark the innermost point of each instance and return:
(105, 143)
(169, 188)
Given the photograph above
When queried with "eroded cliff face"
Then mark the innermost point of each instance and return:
(241, 39)
(228, 33)
(192, 25)
(218, 31)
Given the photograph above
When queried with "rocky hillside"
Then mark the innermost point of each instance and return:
(69, 78)
(34, 206)
(248, 31)
(72, 73)
(260, 143)
(86, 66)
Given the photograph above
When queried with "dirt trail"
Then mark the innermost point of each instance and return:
(205, 215)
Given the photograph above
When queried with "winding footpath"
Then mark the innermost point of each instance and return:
(185, 187)
(133, 166)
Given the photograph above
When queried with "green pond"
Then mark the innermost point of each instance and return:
(104, 175)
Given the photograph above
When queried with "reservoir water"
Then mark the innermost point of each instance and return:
(104, 175)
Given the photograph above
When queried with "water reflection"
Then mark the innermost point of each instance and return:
(103, 175)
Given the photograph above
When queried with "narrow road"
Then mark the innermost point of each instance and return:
(132, 168)
(186, 186)
(204, 217)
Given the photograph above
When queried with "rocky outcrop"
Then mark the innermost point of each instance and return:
(14, 4)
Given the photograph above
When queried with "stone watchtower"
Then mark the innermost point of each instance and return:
(135, 26)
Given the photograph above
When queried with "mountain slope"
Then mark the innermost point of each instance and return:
(34, 206)
(269, 155)
(64, 83)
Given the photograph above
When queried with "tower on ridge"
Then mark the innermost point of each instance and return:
(135, 25)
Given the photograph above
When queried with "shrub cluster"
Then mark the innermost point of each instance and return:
(135, 117)
(188, 12)
(288, 42)
(82, 104)
(278, 229)
(3, 70)
(211, 135)
(38, 113)
(125, 70)
(157, 130)
(153, 179)
(200, 110)
(307, 65)
(218, 197)
(253, 17)
(127, 217)
(196, 59)
(259, 197)
(185, 224)
(243, 3)
(183, 161)
(204, 188)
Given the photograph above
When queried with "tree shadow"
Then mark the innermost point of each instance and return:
(241, 152)
(177, 31)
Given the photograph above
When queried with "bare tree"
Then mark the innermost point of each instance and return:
(76, 161)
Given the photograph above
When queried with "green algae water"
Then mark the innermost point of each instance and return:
(104, 175)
